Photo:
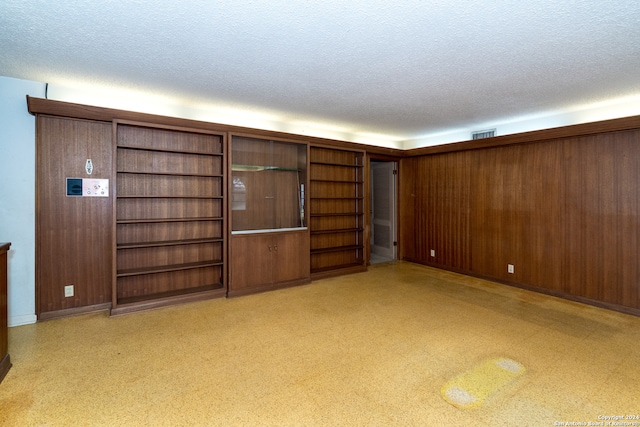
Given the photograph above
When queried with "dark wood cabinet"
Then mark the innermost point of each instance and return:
(5, 360)
(170, 226)
(270, 241)
(337, 215)
(266, 261)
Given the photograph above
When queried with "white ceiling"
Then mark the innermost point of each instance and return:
(404, 69)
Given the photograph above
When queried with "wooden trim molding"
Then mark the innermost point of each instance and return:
(539, 289)
(68, 312)
(80, 111)
(267, 287)
(583, 129)
(166, 302)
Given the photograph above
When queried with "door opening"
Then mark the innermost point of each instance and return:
(383, 212)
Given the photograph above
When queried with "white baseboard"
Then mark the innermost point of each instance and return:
(26, 319)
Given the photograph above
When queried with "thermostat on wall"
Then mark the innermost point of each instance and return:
(84, 187)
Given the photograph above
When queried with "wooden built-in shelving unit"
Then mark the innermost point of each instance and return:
(170, 227)
(336, 210)
(270, 238)
(560, 204)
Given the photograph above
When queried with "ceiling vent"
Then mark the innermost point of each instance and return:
(481, 134)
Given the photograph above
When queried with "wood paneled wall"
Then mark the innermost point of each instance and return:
(426, 225)
(561, 205)
(74, 234)
(564, 212)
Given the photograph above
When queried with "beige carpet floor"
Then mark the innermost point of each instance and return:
(368, 349)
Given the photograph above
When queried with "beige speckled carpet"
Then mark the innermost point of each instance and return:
(369, 349)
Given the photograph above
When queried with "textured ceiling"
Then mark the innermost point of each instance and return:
(404, 69)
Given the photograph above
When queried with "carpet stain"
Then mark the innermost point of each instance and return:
(471, 388)
(15, 408)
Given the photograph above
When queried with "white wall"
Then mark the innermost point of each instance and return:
(17, 194)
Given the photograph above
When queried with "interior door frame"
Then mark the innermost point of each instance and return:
(368, 207)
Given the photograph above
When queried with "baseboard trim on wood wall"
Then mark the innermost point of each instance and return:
(574, 298)
(152, 304)
(67, 312)
(266, 288)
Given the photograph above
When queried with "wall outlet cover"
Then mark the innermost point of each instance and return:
(68, 291)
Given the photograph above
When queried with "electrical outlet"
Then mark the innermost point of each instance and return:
(433, 253)
(68, 291)
(511, 269)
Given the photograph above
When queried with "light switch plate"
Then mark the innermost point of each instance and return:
(95, 187)
(87, 187)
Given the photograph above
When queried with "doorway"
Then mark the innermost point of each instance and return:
(383, 211)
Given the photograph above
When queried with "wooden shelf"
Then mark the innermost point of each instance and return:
(336, 214)
(168, 294)
(138, 245)
(158, 220)
(349, 165)
(337, 230)
(337, 198)
(337, 181)
(170, 174)
(168, 150)
(166, 268)
(336, 249)
(261, 168)
(174, 258)
(336, 209)
(142, 196)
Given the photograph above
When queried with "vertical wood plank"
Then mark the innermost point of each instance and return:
(543, 240)
(589, 184)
